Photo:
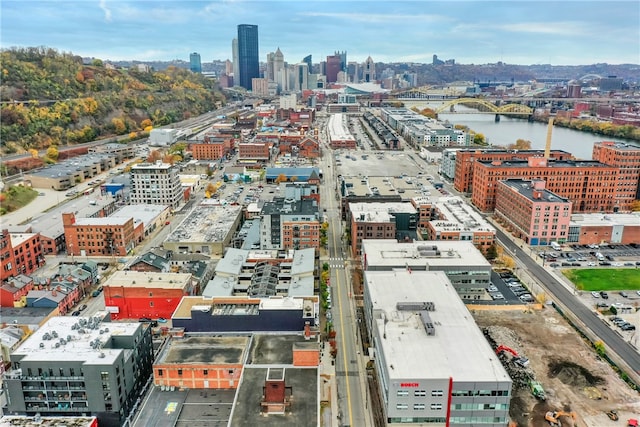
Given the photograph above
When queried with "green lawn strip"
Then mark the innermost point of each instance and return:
(16, 197)
(605, 279)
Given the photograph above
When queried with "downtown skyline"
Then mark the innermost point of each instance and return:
(515, 32)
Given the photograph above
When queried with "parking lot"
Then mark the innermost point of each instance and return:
(614, 255)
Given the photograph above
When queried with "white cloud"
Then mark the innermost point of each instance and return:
(555, 28)
(106, 10)
(377, 17)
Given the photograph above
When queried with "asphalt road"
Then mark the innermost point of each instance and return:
(561, 294)
(350, 369)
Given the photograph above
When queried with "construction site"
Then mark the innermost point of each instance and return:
(558, 378)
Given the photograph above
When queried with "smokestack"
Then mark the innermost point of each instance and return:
(547, 148)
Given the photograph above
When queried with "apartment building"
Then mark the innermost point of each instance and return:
(75, 366)
(590, 185)
(377, 220)
(156, 184)
(532, 213)
(465, 159)
(20, 253)
(106, 236)
(290, 224)
(627, 159)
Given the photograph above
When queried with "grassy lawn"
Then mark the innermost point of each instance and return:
(15, 197)
(605, 279)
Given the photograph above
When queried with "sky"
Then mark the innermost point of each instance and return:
(568, 32)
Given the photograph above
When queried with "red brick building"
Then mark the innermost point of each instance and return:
(14, 290)
(134, 294)
(20, 253)
(101, 236)
(532, 213)
(590, 185)
(465, 160)
(590, 229)
(213, 147)
(254, 151)
(627, 159)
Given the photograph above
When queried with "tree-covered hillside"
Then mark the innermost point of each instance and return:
(51, 98)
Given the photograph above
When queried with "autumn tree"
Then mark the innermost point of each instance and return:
(118, 126)
(145, 123)
(521, 144)
(281, 178)
(52, 153)
(153, 156)
(479, 139)
(635, 206)
(178, 148)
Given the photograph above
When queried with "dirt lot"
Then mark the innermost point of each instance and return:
(573, 377)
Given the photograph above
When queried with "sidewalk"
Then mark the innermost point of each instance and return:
(328, 389)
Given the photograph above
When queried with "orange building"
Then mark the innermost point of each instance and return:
(20, 253)
(213, 147)
(300, 234)
(627, 158)
(197, 362)
(100, 236)
(465, 160)
(590, 185)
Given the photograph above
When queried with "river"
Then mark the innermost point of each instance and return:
(508, 130)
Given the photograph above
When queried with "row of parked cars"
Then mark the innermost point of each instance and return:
(514, 285)
(622, 324)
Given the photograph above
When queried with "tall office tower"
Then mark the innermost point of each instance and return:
(236, 61)
(353, 70)
(228, 67)
(249, 65)
(268, 72)
(309, 62)
(333, 68)
(369, 72)
(280, 71)
(343, 60)
(302, 76)
(195, 65)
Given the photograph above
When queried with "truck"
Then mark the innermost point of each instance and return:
(556, 246)
(536, 389)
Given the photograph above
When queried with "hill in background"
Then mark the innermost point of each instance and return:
(52, 98)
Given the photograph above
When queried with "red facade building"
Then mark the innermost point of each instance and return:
(627, 159)
(20, 253)
(134, 294)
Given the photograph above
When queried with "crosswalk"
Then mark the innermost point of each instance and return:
(336, 262)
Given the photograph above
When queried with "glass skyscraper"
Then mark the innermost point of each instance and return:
(248, 54)
(194, 62)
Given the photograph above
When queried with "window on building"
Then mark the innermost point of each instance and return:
(159, 372)
(180, 372)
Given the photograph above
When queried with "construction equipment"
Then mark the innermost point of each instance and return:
(632, 422)
(613, 415)
(553, 417)
(536, 389)
(522, 361)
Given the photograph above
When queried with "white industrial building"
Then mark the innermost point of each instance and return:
(433, 363)
(162, 137)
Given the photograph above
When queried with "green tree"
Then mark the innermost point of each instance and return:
(479, 139)
(492, 252)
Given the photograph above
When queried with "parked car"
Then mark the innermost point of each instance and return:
(554, 265)
(624, 294)
(497, 296)
(604, 295)
(628, 327)
(82, 307)
(595, 294)
(492, 289)
(75, 313)
(95, 293)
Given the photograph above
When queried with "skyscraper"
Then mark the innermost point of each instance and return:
(369, 73)
(333, 68)
(236, 62)
(194, 62)
(309, 63)
(249, 67)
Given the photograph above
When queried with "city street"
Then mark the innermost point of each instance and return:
(350, 365)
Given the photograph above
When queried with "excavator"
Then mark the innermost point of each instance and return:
(522, 361)
(553, 417)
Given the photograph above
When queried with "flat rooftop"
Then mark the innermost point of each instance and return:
(138, 279)
(102, 221)
(409, 352)
(71, 338)
(526, 189)
(434, 254)
(19, 238)
(141, 212)
(459, 216)
(276, 350)
(304, 407)
(205, 350)
(598, 219)
(338, 130)
(23, 421)
(554, 164)
(206, 223)
(152, 166)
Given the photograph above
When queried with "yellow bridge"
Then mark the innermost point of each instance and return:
(484, 107)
